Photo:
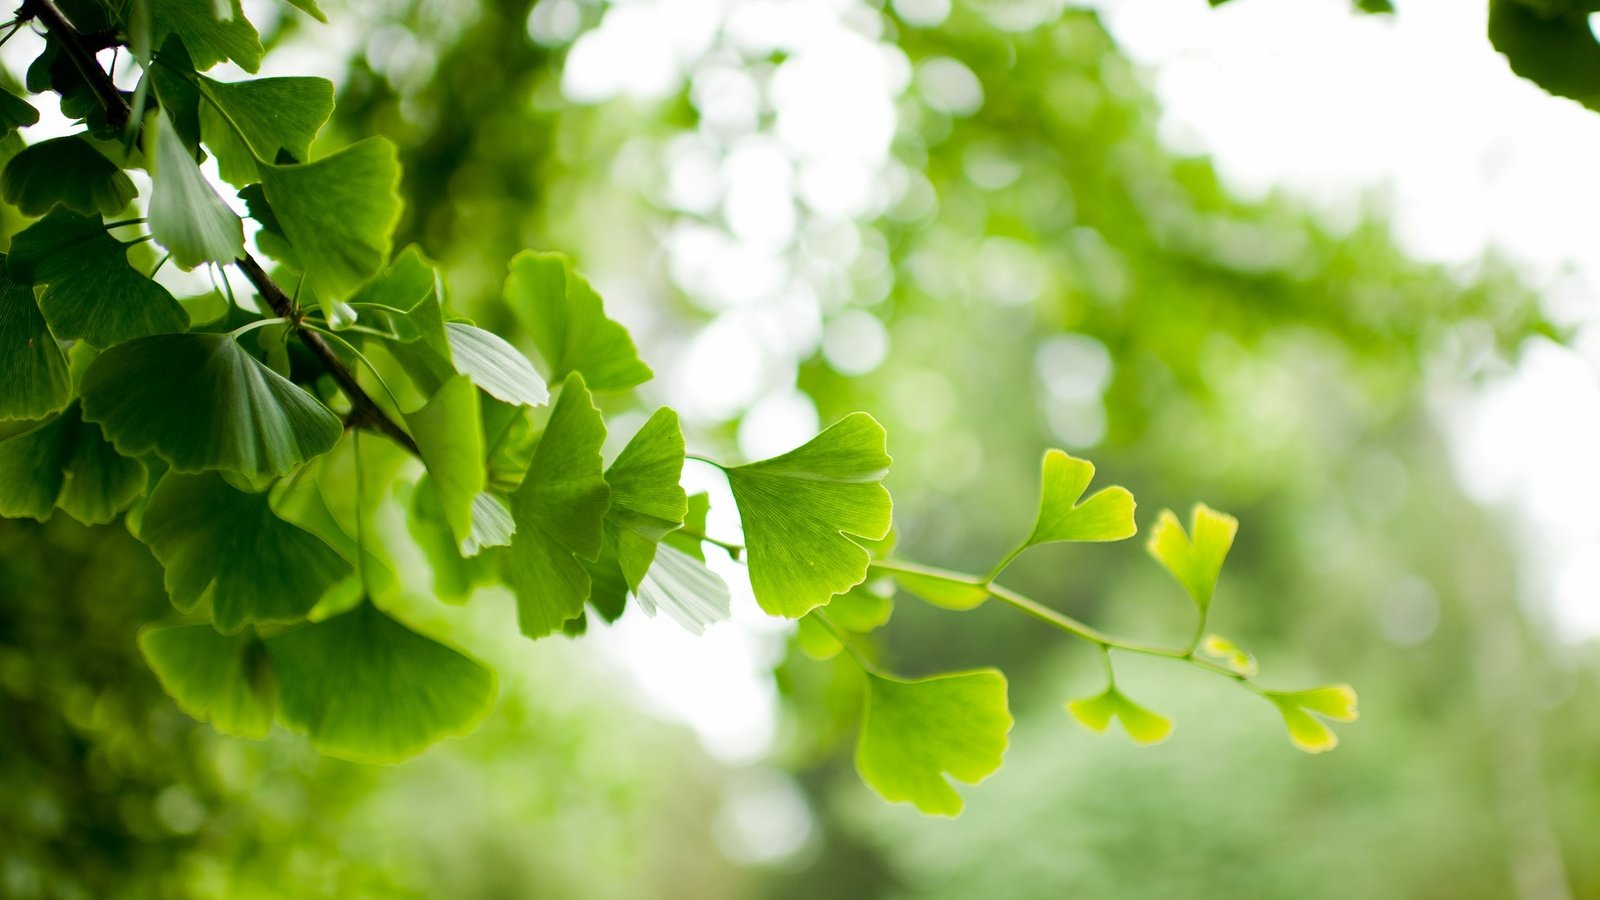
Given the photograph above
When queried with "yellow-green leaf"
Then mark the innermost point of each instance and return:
(1195, 562)
(916, 733)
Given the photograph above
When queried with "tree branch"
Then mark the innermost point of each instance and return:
(365, 412)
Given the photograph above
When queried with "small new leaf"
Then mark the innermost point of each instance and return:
(1304, 711)
(915, 733)
(200, 402)
(569, 325)
(798, 508)
(364, 687)
(1229, 654)
(1195, 561)
(1105, 516)
(226, 680)
(1144, 726)
(227, 546)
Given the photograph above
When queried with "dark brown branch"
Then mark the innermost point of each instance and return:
(365, 412)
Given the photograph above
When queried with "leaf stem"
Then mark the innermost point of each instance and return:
(733, 549)
(705, 459)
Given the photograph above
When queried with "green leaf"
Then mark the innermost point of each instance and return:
(226, 680)
(560, 514)
(275, 115)
(1550, 43)
(447, 434)
(1143, 726)
(797, 509)
(81, 265)
(227, 546)
(568, 323)
(1105, 516)
(208, 38)
(309, 7)
(364, 687)
(34, 381)
(1229, 654)
(687, 538)
(66, 463)
(453, 576)
(682, 587)
(494, 365)
(200, 402)
(915, 733)
(647, 502)
(858, 610)
(406, 296)
(15, 113)
(186, 215)
(1301, 711)
(950, 590)
(339, 213)
(69, 171)
(1195, 563)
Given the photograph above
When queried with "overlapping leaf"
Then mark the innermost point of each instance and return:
(569, 325)
(798, 508)
(560, 514)
(69, 171)
(226, 680)
(200, 402)
(226, 546)
(365, 687)
(66, 463)
(273, 116)
(950, 590)
(447, 433)
(859, 610)
(186, 215)
(33, 371)
(683, 588)
(208, 38)
(915, 733)
(494, 365)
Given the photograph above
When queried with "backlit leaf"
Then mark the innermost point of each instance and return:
(1551, 43)
(798, 508)
(683, 588)
(647, 502)
(208, 38)
(200, 402)
(1304, 711)
(1105, 516)
(915, 733)
(1195, 562)
(276, 115)
(15, 112)
(186, 215)
(34, 381)
(569, 325)
(226, 680)
(363, 686)
(560, 513)
(226, 546)
(1143, 726)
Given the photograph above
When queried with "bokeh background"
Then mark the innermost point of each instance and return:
(1330, 272)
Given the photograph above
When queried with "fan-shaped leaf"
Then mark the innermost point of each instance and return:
(798, 507)
(276, 115)
(1195, 563)
(1309, 732)
(363, 686)
(560, 513)
(200, 402)
(1106, 516)
(226, 680)
(186, 215)
(1144, 726)
(34, 381)
(915, 733)
(950, 590)
(66, 463)
(69, 171)
(15, 113)
(221, 544)
(569, 325)
(208, 38)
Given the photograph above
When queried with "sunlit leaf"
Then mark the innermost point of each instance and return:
(1229, 654)
(1143, 726)
(186, 215)
(569, 325)
(81, 265)
(1195, 562)
(34, 381)
(339, 212)
(494, 365)
(915, 733)
(209, 38)
(276, 116)
(226, 546)
(1105, 516)
(683, 588)
(226, 680)
(66, 463)
(647, 502)
(69, 171)
(798, 508)
(200, 402)
(560, 513)
(1303, 713)
(363, 686)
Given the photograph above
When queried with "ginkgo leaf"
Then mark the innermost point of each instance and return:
(647, 502)
(15, 113)
(34, 381)
(950, 590)
(798, 508)
(683, 588)
(200, 402)
(858, 610)
(275, 115)
(69, 171)
(915, 733)
(66, 463)
(339, 212)
(226, 680)
(309, 7)
(560, 514)
(1309, 732)
(1550, 44)
(227, 546)
(495, 365)
(302, 502)
(406, 295)
(689, 537)
(569, 325)
(454, 576)
(1195, 562)
(1144, 726)
(492, 524)
(1229, 654)
(208, 38)
(447, 433)
(362, 686)
(186, 215)
(81, 265)
(1105, 516)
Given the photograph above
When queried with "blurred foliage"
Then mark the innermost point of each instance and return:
(1048, 274)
